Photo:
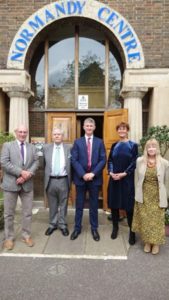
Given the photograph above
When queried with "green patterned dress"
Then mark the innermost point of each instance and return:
(148, 219)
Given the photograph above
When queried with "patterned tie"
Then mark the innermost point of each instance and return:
(57, 161)
(22, 151)
(88, 154)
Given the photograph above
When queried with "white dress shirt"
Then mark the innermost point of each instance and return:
(62, 160)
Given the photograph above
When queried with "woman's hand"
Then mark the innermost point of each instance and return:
(118, 176)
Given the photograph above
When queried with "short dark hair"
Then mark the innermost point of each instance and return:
(123, 124)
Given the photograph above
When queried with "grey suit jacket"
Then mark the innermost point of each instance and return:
(48, 151)
(12, 165)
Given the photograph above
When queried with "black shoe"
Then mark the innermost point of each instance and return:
(95, 235)
(50, 230)
(74, 235)
(114, 233)
(121, 219)
(64, 231)
(132, 238)
(109, 218)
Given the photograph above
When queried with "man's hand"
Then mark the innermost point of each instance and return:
(20, 180)
(26, 174)
(88, 176)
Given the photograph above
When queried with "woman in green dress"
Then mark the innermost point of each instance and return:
(150, 197)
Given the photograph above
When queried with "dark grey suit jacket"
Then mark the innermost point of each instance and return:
(12, 165)
(48, 151)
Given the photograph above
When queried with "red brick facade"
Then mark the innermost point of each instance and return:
(149, 18)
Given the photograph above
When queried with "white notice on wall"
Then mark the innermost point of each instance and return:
(83, 101)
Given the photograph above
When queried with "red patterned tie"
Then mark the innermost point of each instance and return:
(88, 154)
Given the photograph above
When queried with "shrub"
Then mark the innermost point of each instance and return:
(161, 134)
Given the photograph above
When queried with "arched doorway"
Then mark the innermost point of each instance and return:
(75, 52)
(118, 36)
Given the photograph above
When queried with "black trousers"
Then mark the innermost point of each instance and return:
(115, 217)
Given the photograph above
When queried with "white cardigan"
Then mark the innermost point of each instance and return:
(162, 175)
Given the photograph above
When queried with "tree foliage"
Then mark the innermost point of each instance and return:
(161, 134)
(6, 137)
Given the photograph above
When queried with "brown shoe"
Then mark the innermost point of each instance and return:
(147, 248)
(155, 249)
(28, 241)
(8, 244)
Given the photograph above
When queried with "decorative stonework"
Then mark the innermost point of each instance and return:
(116, 23)
(134, 92)
(18, 111)
(16, 92)
(15, 79)
(133, 102)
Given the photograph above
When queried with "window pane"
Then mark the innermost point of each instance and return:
(114, 82)
(38, 101)
(91, 71)
(61, 74)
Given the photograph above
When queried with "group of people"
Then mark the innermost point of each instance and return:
(136, 184)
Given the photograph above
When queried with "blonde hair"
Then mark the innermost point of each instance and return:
(155, 143)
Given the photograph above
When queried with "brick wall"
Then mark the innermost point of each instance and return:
(36, 129)
(36, 124)
(149, 18)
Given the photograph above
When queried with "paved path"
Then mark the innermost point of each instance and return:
(89, 270)
(83, 247)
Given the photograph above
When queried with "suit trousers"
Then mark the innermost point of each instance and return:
(10, 200)
(57, 193)
(93, 204)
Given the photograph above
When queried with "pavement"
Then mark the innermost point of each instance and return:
(58, 245)
(60, 269)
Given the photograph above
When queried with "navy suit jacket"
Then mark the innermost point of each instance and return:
(79, 160)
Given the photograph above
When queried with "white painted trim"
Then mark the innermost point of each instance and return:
(66, 256)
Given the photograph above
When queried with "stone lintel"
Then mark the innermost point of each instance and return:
(15, 78)
(146, 78)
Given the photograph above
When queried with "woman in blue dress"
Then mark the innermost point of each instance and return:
(121, 166)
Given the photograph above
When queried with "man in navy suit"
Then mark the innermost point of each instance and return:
(88, 158)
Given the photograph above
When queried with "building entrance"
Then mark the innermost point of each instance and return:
(72, 125)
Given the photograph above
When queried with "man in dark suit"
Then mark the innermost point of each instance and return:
(57, 181)
(19, 162)
(88, 160)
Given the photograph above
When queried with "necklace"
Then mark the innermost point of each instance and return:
(151, 163)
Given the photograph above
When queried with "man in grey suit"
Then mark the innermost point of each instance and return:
(57, 181)
(19, 162)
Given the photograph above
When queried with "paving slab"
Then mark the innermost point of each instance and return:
(60, 246)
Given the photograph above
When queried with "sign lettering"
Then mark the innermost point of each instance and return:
(61, 9)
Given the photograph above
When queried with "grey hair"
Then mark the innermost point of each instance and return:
(58, 129)
(89, 120)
